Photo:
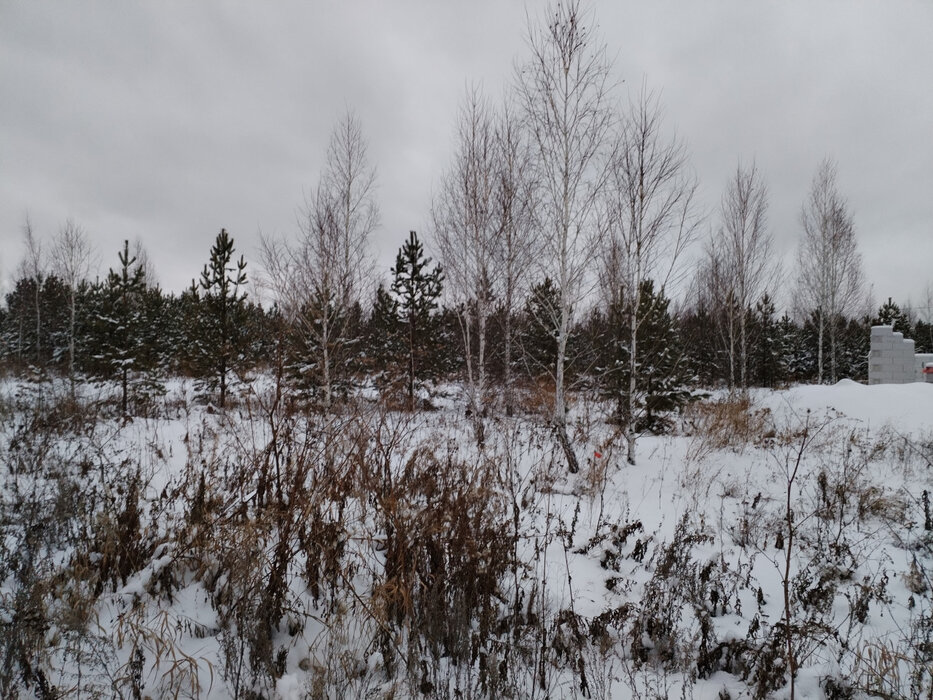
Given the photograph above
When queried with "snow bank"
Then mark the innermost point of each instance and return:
(907, 408)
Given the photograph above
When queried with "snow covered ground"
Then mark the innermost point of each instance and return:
(179, 537)
(905, 408)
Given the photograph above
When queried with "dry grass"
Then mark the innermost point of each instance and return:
(728, 423)
(535, 396)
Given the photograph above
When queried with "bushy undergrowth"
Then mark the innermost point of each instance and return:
(375, 553)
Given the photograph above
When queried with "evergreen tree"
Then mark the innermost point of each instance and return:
(808, 355)
(923, 336)
(121, 321)
(4, 336)
(448, 356)
(792, 354)
(854, 345)
(662, 376)
(697, 330)
(19, 325)
(88, 297)
(383, 338)
(185, 332)
(890, 314)
(154, 356)
(55, 322)
(538, 336)
(123, 332)
(767, 368)
(222, 314)
(262, 336)
(416, 290)
(42, 345)
(589, 337)
(498, 327)
(92, 334)
(324, 346)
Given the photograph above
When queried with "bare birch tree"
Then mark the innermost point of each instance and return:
(565, 92)
(483, 220)
(318, 279)
(465, 229)
(925, 315)
(33, 267)
(72, 258)
(713, 290)
(926, 305)
(742, 261)
(516, 245)
(646, 222)
(828, 262)
(144, 262)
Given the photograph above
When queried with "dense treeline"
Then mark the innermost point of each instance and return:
(131, 331)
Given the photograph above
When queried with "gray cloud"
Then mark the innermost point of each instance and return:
(166, 121)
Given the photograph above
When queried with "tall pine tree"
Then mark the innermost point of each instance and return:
(221, 313)
(766, 354)
(121, 320)
(416, 289)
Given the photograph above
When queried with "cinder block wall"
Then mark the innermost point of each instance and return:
(892, 360)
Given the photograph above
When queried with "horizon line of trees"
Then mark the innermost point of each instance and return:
(120, 328)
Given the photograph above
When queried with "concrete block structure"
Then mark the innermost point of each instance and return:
(893, 360)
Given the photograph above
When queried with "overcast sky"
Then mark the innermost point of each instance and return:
(165, 121)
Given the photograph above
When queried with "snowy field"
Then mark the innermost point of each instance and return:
(263, 553)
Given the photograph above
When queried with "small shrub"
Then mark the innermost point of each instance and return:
(655, 634)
